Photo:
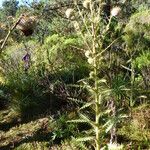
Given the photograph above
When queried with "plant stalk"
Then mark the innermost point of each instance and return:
(96, 96)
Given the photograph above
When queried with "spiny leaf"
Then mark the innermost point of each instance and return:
(86, 105)
(75, 100)
(106, 92)
(73, 85)
(109, 124)
(87, 120)
(104, 113)
(102, 81)
(109, 127)
(77, 121)
(85, 139)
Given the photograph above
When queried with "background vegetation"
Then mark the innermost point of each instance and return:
(87, 83)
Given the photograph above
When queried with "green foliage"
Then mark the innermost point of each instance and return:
(119, 86)
(10, 7)
(63, 130)
(61, 58)
(139, 22)
(27, 96)
(137, 36)
(107, 55)
(136, 129)
(4, 98)
(143, 60)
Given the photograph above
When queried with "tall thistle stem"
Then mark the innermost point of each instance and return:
(96, 95)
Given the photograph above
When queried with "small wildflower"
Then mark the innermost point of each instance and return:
(76, 25)
(86, 3)
(87, 54)
(115, 146)
(115, 11)
(68, 12)
(96, 19)
(96, 45)
(90, 60)
(91, 74)
(75, 2)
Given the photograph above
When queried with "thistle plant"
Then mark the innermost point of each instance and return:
(93, 26)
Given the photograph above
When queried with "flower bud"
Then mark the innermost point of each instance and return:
(86, 3)
(75, 2)
(92, 74)
(115, 11)
(87, 53)
(90, 61)
(96, 19)
(76, 25)
(68, 12)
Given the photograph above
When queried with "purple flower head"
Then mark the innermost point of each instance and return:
(26, 58)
